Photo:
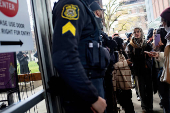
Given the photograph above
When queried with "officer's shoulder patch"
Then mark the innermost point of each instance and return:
(70, 12)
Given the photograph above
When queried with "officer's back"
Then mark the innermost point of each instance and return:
(72, 23)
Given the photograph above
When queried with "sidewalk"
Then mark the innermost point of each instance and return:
(137, 104)
(41, 107)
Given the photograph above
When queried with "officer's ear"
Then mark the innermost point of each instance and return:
(100, 13)
(97, 13)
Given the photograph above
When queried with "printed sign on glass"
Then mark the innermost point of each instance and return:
(7, 71)
(15, 30)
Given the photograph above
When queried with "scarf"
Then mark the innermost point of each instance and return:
(167, 37)
(137, 43)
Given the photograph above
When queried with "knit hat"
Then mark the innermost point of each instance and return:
(150, 33)
(166, 14)
(128, 34)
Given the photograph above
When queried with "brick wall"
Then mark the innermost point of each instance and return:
(159, 6)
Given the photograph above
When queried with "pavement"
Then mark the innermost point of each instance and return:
(41, 107)
(137, 104)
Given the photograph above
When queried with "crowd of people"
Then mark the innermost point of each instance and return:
(96, 71)
(146, 60)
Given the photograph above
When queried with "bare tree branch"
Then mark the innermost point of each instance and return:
(114, 20)
(112, 13)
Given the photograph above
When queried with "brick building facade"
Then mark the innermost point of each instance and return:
(154, 9)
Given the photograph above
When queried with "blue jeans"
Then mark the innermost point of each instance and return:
(98, 83)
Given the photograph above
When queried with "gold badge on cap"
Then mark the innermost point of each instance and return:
(70, 12)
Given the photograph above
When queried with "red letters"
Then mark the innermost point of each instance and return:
(9, 8)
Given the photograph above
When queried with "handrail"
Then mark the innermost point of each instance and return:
(26, 104)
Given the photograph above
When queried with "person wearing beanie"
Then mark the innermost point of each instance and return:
(165, 18)
(142, 68)
(129, 36)
(161, 86)
(165, 57)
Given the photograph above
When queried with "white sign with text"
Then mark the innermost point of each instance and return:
(15, 30)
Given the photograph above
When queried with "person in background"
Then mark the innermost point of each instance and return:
(129, 37)
(115, 35)
(36, 56)
(142, 70)
(23, 61)
(12, 74)
(151, 40)
(110, 44)
(150, 35)
(159, 64)
(164, 57)
(120, 44)
(162, 33)
(124, 94)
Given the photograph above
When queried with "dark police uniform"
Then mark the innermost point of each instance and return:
(111, 44)
(72, 24)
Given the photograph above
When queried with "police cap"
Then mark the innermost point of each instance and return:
(95, 6)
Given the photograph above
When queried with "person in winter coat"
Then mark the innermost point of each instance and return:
(129, 36)
(120, 44)
(159, 62)
(142, 68)
(165, 57)
(23, 61)
(150, 35)
(122, 90)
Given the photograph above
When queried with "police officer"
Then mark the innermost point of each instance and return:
(76, 57)
(23, 61)
(111, 45)
(98, 15)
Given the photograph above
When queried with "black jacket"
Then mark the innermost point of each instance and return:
(22, 59)
(140, 60)
(162, 33)
(65, 53)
